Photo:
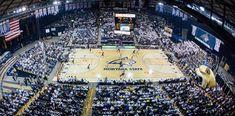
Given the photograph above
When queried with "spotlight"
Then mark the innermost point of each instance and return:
(23, 8)
(202, 8)
(56, 2)
(160, 3)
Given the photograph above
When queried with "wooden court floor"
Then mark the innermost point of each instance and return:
(124, 64)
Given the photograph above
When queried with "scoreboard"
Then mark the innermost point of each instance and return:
(124, 23)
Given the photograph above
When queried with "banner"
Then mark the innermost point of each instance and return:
(44, 11)
(4, 27)
(49, 10)
(70, 6)
(66, 7)
(40, 13)
(53, 10)
(56, 9)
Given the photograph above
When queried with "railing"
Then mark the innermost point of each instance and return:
(5, 68)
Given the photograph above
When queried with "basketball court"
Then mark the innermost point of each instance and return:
(124, 64)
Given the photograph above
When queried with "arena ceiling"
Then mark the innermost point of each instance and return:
(6, 5)
(222, 7)
(219, 7)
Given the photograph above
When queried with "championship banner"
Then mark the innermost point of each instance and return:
(181, 14)
(36, 13)
(177, 12)
(44, 11)
(53, 9)
(66, 7)
(70, 6)
(56, 9)
(40, 12)
(74, 6)
(85, 5)
(49, 10)
(185, 17)
(173, 12)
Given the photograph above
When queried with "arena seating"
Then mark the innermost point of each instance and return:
(33, 61)
(59, 100)
(132, 100)
(12, 102)
(192, 100)
(145, 31)
(81, 28)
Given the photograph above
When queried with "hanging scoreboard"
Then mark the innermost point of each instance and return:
(124, 23)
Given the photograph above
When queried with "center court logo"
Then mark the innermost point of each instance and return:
(125, 61)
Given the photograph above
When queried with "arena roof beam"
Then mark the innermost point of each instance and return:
(226, 37)
(224, 14)
(20, 3)
(31, 1)
(2, 2)
(7, 7)
(216, 7)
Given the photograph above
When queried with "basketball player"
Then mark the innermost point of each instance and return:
(118, 50)
(123, 74)
(133, 52)
(102, 54)
(88, 67)
(121, 64)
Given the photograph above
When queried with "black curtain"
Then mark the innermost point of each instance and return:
(29, 27)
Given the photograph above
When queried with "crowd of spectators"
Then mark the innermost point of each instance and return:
(145, 32)
(138, 100)
(192, 100)
(39, 60)
(226, 100)
(80, 28)
(12, 102)
(188, 55)
(59, 100)
(85, 28)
